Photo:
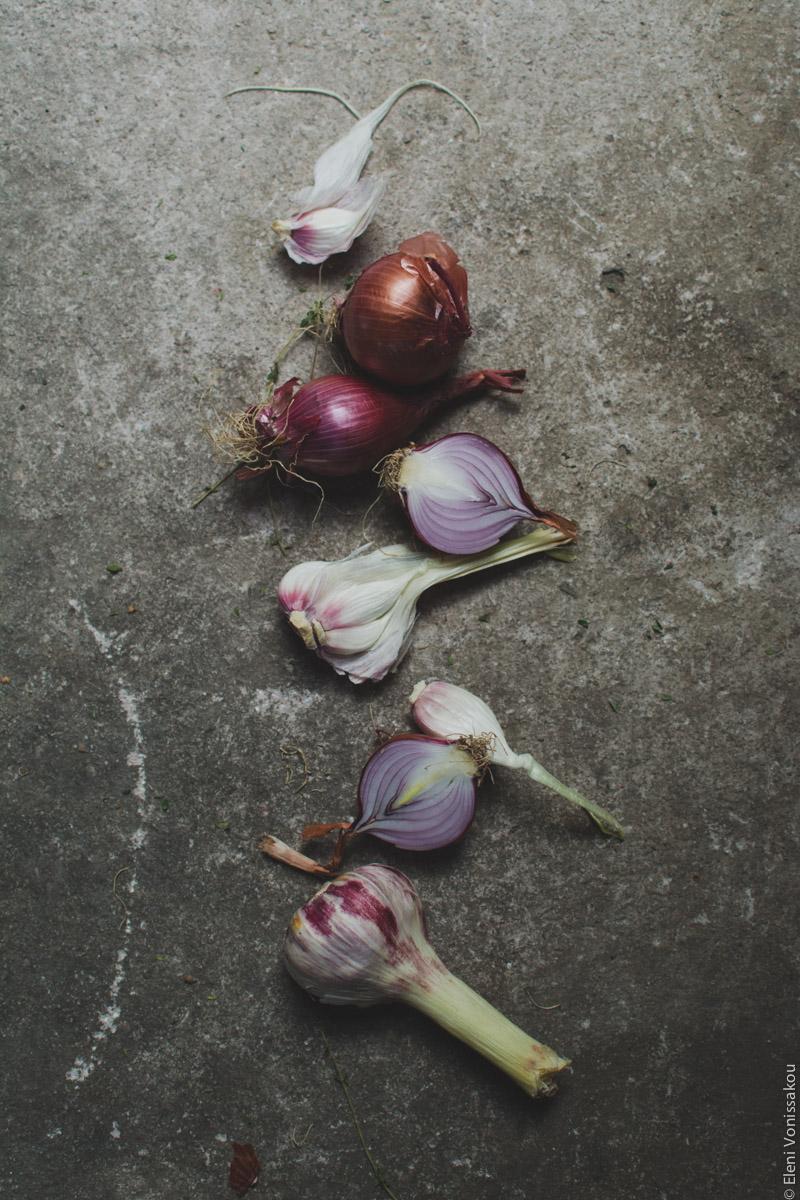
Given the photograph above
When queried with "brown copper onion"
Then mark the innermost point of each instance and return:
(406, 318)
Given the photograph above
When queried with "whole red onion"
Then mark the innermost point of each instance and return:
(341, 424)
(406, 318)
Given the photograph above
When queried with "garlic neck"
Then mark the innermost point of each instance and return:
(462, 1012)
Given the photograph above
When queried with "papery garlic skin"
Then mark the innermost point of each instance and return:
(362, 940)
(448, 711)
(445, 710)
(358, 613)
(311, 236)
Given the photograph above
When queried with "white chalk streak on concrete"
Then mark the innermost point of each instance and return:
(107, 1018)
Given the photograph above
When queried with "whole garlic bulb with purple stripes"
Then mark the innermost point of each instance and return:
(362, 940)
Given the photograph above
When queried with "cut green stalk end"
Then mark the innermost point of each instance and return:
(603, 819)
(461, 1011)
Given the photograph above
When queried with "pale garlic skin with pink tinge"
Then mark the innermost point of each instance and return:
(358, 613)
(448, 711)
(445, 710)
(313, 235)
(339, 205)
(361, 940)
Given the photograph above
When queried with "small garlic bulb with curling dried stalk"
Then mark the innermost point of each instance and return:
(445, 710)
(362, 940)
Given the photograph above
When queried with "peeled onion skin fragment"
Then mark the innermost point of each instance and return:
(362, 940)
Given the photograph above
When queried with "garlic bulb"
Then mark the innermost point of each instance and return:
(445, 710)
(358, 613)
(362, 940)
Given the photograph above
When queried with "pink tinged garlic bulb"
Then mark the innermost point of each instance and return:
(445, 710)
(339, 205)
(358, 613)
(314, 235)
(462, 493)
(362, 940)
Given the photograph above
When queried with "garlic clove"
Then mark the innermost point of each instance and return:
(312, 236)
(445, 710)
(448, 711)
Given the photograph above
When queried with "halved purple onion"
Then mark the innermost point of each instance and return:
(417, 792)
(462, 493)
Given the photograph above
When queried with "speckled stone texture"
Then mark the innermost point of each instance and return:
(628, 221)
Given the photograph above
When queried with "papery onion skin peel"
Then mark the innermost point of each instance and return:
(339, 425)
(407, 316)
(362, 940)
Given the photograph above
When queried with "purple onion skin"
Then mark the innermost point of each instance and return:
(338, 425)
(406, 317)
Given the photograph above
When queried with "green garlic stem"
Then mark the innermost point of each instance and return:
(542, 540)
(461, 1011)
(382, 111)
(608, 824)
(274, 87)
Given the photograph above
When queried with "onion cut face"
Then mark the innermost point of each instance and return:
(417, 792)
(407, 317)
(462, 493)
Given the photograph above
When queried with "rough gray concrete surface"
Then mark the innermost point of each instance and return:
(627, 219)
